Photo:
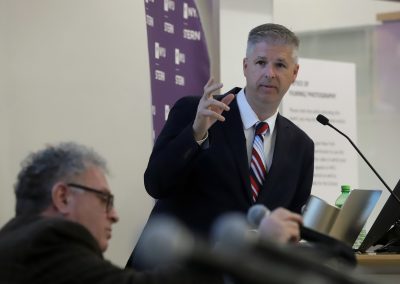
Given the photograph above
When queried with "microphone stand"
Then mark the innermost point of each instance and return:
(323, 120)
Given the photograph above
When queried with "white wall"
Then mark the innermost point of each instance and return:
(320, 15)
(78, 70)
(5, 192)
(209, 16)
(237, 18)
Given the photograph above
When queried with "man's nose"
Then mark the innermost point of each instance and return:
(113, 215)
(270, 71)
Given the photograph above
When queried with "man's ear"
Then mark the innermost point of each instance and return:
(61, 199)
(295, 72)
(245, 65)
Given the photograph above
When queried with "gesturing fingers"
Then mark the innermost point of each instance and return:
(211, 87)
(211, 114)
(215, 105)
(209, 109)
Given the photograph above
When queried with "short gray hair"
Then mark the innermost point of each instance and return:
(274, 34)
(44, 168)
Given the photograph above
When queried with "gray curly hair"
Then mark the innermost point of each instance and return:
(42, 169)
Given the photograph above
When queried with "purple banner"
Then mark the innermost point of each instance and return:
(179, 61)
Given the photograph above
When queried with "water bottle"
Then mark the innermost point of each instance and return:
(343, 196)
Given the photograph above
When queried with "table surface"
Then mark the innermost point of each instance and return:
(380, 264)
(378, 259)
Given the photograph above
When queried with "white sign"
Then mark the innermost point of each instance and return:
(328, 88)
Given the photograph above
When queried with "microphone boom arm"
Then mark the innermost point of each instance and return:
(362, 156)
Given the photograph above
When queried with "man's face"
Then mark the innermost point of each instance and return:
(90, 208)
(269, 70)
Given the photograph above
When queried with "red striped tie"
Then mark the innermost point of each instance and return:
(258, 169)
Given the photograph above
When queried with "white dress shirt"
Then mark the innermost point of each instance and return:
(249, 119)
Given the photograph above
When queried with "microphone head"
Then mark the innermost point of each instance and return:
(322, 119)
(256, 213)
(165, 240)
(229, 231)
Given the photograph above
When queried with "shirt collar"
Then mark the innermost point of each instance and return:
(249, 117)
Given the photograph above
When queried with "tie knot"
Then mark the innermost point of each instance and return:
(261, 128)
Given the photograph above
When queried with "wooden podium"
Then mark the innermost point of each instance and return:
(379, 267)
(378, 260)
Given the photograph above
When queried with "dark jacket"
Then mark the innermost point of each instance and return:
(197, 185)
(53, 250)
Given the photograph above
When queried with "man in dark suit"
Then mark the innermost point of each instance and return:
(201, 162)
(64, 218)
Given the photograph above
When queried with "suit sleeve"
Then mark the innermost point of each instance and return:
(174, 151)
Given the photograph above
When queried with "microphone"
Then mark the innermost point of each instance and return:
(166, 241)
(322, 119)
(256, 213)
(325, 121)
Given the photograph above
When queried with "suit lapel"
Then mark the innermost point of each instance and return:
(233, 131)
(282, 144)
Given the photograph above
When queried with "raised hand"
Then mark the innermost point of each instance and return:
(209, 109)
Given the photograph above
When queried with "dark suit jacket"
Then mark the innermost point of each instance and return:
(53, 250)
(197, 185)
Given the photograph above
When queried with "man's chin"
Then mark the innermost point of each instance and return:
(104, 247)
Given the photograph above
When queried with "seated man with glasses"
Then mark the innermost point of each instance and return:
(64, 217)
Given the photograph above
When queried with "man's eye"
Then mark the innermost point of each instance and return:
(262, 63)
(280, 65)
(103, 198)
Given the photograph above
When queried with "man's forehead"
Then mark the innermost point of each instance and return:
(279, 58)
(95, 177)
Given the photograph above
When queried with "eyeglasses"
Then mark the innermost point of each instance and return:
(106, 197)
